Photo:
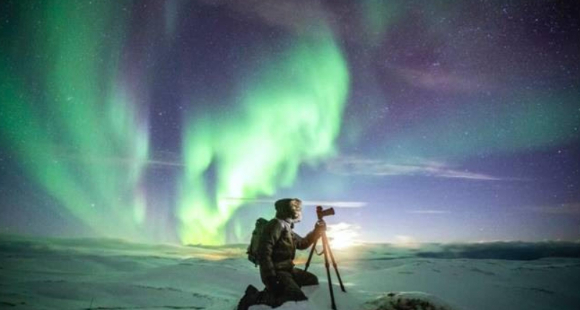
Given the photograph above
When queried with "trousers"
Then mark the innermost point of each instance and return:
(290, 282)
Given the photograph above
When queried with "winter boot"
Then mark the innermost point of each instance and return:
(250, 298)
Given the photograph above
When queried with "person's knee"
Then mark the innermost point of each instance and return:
(305, 278)
(312, 280)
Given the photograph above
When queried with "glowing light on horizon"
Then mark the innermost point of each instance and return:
(404, 241)
(342, 235)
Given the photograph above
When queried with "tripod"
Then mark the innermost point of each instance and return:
(326, 251)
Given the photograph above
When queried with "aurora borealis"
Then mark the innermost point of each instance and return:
(182, 121)
(260, 148)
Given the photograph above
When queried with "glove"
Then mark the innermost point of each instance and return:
(274, 284)
(319, 227)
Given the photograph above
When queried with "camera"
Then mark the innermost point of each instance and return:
(322, 213)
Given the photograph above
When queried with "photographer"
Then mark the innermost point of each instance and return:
(277, 249)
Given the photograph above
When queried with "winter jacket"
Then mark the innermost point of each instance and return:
(278, 246)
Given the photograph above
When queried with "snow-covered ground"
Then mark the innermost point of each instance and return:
(40, 273)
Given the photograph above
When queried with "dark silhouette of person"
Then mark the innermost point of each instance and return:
(276, 250)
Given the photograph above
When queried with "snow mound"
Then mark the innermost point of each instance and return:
(407, 301)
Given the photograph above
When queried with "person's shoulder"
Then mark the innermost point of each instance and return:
(274, 224)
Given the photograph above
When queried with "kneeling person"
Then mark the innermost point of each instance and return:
(277, 249)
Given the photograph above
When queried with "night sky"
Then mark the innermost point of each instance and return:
(183, 121)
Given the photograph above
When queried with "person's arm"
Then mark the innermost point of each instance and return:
(270, 236)
(304, 243)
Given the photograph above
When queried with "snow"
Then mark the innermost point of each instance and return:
(41, 273)
(407, 301)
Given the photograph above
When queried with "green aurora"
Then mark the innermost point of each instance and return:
(80, 81)
(524, 123)
(80, 137)
(91, 153)
(290, 115)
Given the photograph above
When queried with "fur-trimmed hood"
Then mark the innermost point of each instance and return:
(285, 212)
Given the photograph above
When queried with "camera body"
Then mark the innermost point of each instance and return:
(322, 213)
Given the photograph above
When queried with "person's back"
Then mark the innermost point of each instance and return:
(277, 249)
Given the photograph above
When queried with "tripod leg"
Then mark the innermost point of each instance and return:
(310, 255)
(325, 247)
(334, 265)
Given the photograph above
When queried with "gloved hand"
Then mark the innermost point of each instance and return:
(319, 227)
(274, 284)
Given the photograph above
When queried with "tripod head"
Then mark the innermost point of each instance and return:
(322, 213)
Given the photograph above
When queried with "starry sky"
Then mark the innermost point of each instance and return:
(183, 121)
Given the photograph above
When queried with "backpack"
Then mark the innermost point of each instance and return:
(252, 251)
